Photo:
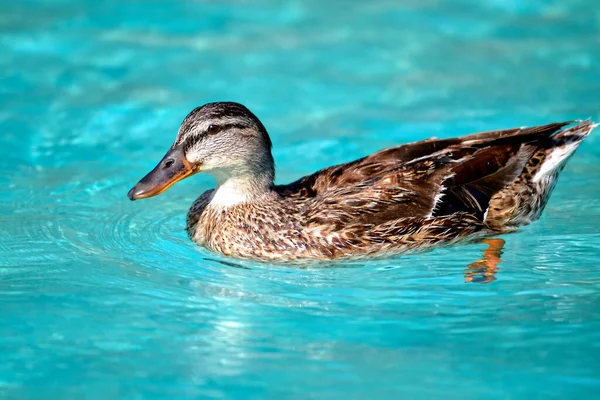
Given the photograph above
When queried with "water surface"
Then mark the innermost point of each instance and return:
(105, 298)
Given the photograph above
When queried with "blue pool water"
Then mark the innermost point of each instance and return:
(105, 298)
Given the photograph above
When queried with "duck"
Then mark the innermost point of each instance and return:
(408, 198)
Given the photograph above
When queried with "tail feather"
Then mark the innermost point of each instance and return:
(523, 201)
(562, 148)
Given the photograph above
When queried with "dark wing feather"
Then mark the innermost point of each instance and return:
(396, 195)
(358, 172)
(430, 177)
(479, 176)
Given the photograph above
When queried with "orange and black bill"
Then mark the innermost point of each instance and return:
(170, 170)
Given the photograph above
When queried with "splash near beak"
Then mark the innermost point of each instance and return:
(170, 170)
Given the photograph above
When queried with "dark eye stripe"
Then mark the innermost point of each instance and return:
(232, 125)
(190, 140)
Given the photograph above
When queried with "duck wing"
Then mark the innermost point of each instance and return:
(429, 178)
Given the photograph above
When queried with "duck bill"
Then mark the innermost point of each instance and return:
(171, 169)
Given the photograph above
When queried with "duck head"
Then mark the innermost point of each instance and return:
(223, 139)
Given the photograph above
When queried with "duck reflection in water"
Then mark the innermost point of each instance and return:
(484, 270)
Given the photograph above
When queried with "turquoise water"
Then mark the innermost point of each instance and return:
(105, 298)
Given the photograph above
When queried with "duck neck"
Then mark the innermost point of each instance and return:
(241, 188)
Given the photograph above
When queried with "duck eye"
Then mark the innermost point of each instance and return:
(213, 128)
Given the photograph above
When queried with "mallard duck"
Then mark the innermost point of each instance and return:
(411, 197)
